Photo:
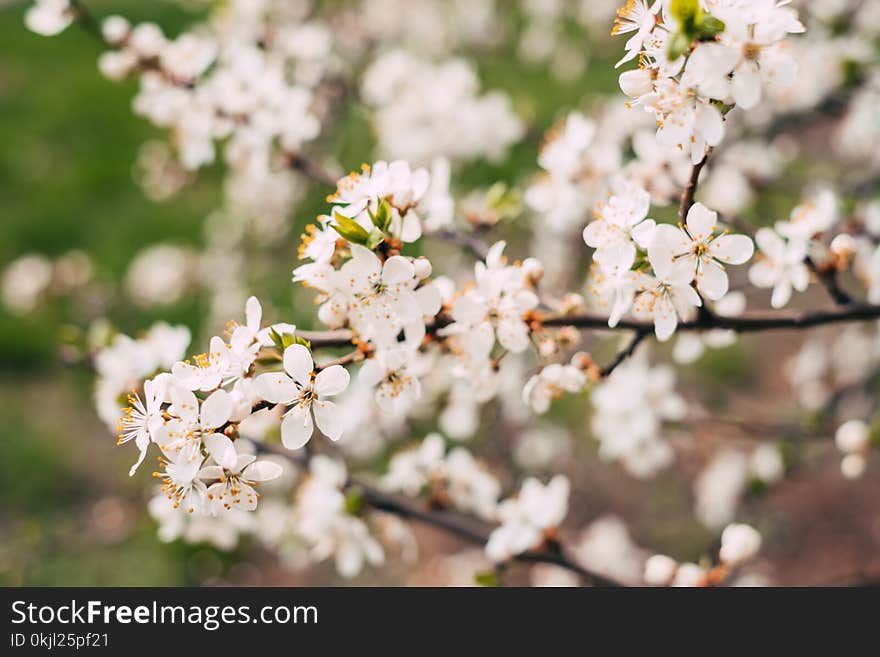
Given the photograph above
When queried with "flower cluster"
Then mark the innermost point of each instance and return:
(659, 272)
(694, 58)
(739, 544)
(453, 478)
(328, 523)
(635, 439)
(530, 518)
(424, 111)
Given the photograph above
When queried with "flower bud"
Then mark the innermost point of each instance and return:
(689, 574)
(115, 29)
(147, 40)
(659, 570)
(844, 247)
(852, 436)
(571, 303)
(423, 267)
(116, 64)
(852, 466)
(739, 543)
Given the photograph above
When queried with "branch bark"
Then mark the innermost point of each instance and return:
(625, 353)
(828, 279)
(690, 189)
(749, 323)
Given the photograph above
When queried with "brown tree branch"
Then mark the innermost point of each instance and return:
(828, 278)
(469, 241)
(312, 169)
(690, 189)
(748, 323)
(85, 19)
(625, 353)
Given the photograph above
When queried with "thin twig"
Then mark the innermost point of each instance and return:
(312, 169)
(348, 358)
(469, 241)
(690, 189)
(748, 323)
(828, 278)
(85, 19)
(625, 353)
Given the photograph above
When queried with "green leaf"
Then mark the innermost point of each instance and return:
(298, 340)
(382, 217)
(505, 202)
(350, 229)
(757, 487)
(354, 501)
(487, 578)
(679, 44)
(686, 12)
(874, 435)
(277, 339)
(284, 340)
(710, 27)
(376, 237)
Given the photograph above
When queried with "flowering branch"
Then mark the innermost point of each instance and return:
(397, 319)
(457, 524)
(748, 323)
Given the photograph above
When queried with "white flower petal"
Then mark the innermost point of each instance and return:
(216, 409)
(328, 419)
(275, 387)
(701, 222)
(296, 427)
(732, 249)
(298, 363)
(331, 381)
(262, 471)
(712, 280)
(221, 450)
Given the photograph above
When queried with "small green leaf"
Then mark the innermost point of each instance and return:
(686, 12)
(679, 44)
(283, 340)
(354, 501)
(302, 341)
(710, 26)
(503, 201)
(277, 339)
(375, 238)
(757, 487)
(382, 217)
(350, 229)
(487, 578)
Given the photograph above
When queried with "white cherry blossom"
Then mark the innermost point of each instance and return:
(495, 308)
(529, 519)
(781, 266)
(236, 476)
(141, 420)
(396, 388)
(696, 251)
(307, 394)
